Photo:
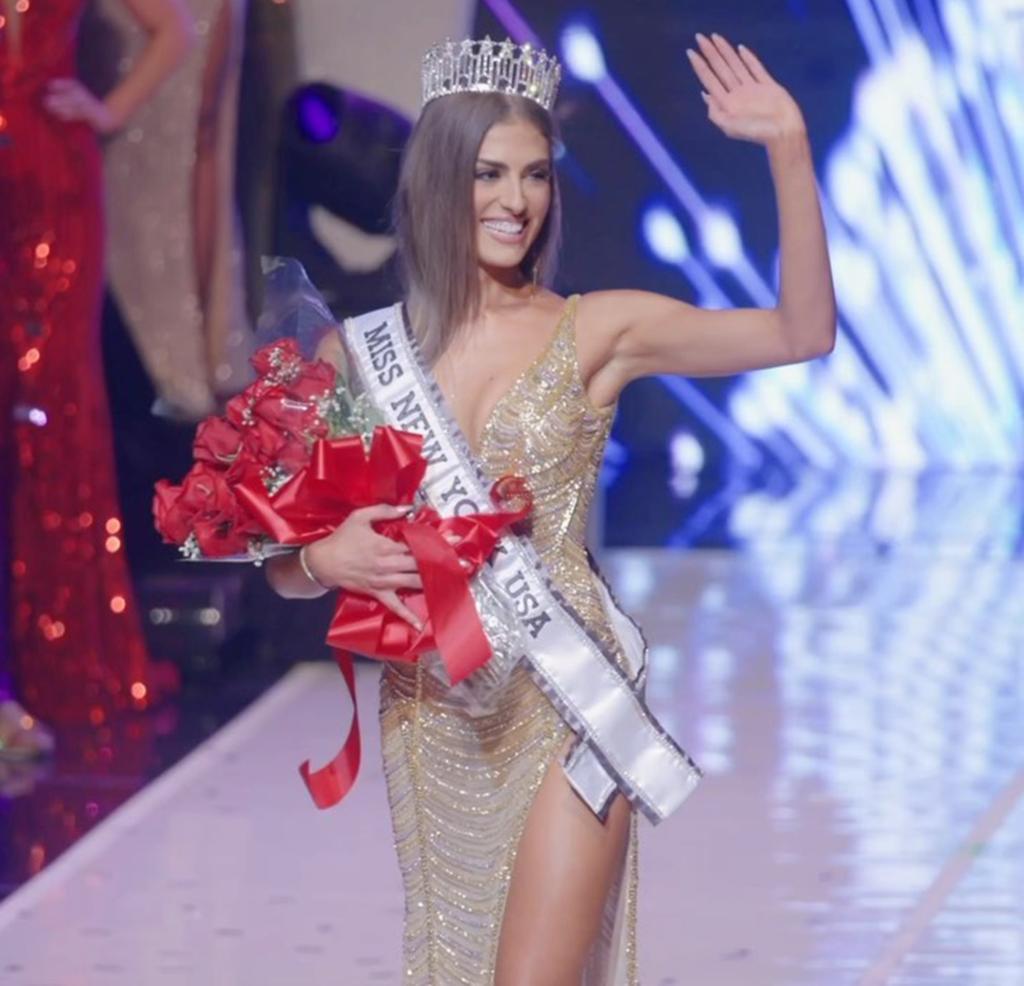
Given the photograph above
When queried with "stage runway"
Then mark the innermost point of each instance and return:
(860, 718)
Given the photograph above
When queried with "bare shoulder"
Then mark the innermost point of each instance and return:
(547, 304)
(604, 317)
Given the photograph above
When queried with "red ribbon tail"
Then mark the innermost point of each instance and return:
(456, 623)
(330, 783)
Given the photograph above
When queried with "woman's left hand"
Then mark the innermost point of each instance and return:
(743, 100)
(68, 99)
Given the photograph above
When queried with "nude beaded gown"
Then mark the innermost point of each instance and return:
(460, 785)
(175, 254)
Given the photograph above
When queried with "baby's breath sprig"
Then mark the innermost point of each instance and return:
(346, 414)
(189, 548)
(274, 477)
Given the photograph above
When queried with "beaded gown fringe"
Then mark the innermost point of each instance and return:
(461, 786)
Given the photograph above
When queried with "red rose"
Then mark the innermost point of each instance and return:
(272, 357)
(314, 380)
(238, 468)
(204, 504)
(266, 446)
(218, 442)
(172, 521)
(294, 455)
(262, 443)
(285, 414)
(238, 409)
(218, 539)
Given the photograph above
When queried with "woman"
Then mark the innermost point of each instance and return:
(78, 650)
(510, 876)
(174, 254)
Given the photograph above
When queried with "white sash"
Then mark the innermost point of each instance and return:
(621, 745)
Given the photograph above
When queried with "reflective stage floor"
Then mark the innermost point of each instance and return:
(860, 719)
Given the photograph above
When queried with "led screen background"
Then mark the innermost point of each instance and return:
(916, 113)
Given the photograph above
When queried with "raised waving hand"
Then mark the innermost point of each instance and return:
(743, 100)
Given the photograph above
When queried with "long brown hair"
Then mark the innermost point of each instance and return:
(434, 218)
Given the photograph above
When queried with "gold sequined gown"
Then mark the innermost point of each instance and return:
(461, 785)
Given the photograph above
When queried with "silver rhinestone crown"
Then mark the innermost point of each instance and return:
(491, 66)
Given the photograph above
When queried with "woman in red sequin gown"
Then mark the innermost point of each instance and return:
(77, 647)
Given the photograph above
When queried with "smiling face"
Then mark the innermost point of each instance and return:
(511, 193)
(477, 199)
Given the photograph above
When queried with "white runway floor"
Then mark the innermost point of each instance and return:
(861, 722)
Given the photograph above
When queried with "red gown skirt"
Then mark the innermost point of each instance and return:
(78, 651)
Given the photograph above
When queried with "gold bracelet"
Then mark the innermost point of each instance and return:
(307, 571)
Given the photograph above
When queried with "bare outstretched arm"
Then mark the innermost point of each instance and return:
(632, 334)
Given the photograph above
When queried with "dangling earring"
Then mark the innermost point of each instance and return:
(536, 274)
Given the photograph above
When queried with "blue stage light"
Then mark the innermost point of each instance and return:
(721, 239)
(664, 235)
(582, 54)
(687, 456)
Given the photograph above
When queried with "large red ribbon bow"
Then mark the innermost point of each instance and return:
(340, 478)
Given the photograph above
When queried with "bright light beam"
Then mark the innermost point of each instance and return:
(582, 54)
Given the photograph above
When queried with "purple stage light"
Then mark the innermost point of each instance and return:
(318, 117)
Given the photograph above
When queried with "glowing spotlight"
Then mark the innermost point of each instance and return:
(318, 113)
(686, 452)
(853, 187)
(858, 282)
(583, 54)
(687, 457)
(721, 239)
(24, 412)
(665, 236)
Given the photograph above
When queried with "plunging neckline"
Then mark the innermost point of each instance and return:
(476, 448)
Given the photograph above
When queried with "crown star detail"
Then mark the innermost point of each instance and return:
(491, 66)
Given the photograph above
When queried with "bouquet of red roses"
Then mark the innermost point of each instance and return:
(266, 436)
(294, 454)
